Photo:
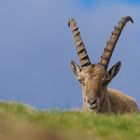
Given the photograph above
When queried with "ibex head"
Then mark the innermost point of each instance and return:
(94, 78)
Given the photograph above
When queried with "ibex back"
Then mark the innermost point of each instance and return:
(94, 78)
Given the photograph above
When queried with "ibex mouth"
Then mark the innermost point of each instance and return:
(94, 104)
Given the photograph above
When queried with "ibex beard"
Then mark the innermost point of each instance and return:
(94, 78)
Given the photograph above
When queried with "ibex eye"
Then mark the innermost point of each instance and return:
(103, 79)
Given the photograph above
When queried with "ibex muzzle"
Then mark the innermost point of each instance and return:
(94, 78)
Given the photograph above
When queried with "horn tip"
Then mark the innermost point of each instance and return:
(119, 63)
(70, 21)
(129, 18)
(72, 61)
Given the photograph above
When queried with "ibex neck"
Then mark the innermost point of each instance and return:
(105, 103)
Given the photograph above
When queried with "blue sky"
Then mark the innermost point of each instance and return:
(36, 47)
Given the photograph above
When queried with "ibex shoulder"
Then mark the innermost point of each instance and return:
(119, 93)
(125, 102)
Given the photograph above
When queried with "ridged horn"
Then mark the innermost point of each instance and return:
(108, 51)
(81, 51)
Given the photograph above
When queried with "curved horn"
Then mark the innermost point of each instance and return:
(105, 58)
(81, 51)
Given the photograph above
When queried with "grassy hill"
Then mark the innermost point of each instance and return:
(20, 122)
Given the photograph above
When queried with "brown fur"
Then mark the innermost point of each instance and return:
(94, 80)
(117, 102)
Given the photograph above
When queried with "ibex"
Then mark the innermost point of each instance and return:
(94, 78)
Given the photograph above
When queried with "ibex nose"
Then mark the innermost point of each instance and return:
(92, 101)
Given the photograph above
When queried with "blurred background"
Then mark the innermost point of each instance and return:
(36, 47)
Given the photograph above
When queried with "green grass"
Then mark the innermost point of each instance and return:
(24, 122)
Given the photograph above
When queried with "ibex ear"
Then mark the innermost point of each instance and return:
(114, 70)
(75, 68)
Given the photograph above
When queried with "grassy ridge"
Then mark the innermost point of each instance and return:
(19, 121)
